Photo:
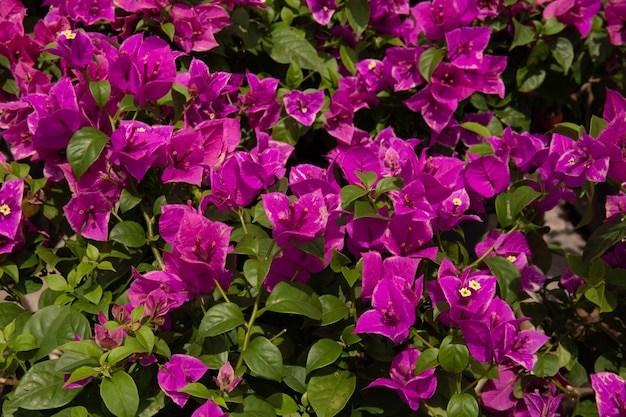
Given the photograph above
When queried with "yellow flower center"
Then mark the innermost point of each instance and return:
(457, 201)
(68, 34)
(141, 129)
(465, 292)
(5, 210)
(475, 285)
(511, 258)
(571, 161)
(371, 65)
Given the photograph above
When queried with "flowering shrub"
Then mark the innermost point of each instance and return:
(260, 208)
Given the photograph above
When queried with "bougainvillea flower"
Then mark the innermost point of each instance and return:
(615, 14)
(401, 67)
(209, 409)
(392, 314)
(440, 16)
(466, 46)
(610, 391)
(195, 26)
(74, 47)
(614, 105)
(145, 68)
(375, 269)
(587, 159)
(138, 146)
(487, 78)
(272, 155)
(578, 13)
(176, 291)
(412, 200)
(405, 236)
(177, 374)
(303, 219)
(488, 175)
(226, 379)
(541, 402)
(512, 246)
(199, 247)
(11, 195)
(358, 159)
(303, 106)
(220, 137)
(613, 137)
(322, 10)
(436, 113)
(88, 213)
(237, 182)
(109, 339)
(91, 11)
(410, 387)
(185, 155)
(497, 394)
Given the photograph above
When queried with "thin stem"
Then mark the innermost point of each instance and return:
(424, 341)
(241, 219)
(153, 247)
(221, 290)
(249, 325)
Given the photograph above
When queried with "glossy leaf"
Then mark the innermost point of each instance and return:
(462, 405)
(523, 34)
(101, 91)
(428, 61)
(508, 278)
(41, 388)
(128, 233)
(219, 319)
(329, 394)
(294, 298)
(358, 12)
(119, 394)
(84, 147)
(322, 353)
(289, 44)
(264, 359)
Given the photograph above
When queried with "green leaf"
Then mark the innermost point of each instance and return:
(294, 298)
(529, 79)
(597, 125)
(78, 411)
(314, 247)
(553, 26)
(571, 130)
(264, 359)
(283, 404)
(462, 405)
(289, 44)
(523, 34)
(8, 313)
(503, 209)
(322, 353)
(81, 373)
(454, 355)
(295, 378)
(169, 29)
(521, 198)
(128, 233)
(84, 148)
(476, 128)
(388, 184)
(603, 238)
(602, 298)
(508, 278)
(24, 342)
(547, 365)
(197, 390)
(349, 193)
(120, 394)
(429, 59)
(428, 359)
(329, 394)
(41, 388)
(294, 75)
(563, 52)
(348, 58)
(255, 271)
(333, 309)
(101, 91)
(128, 201)
(56, 282)
(358, 13)
(219, 319)
(53, 326)
(338, 260)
